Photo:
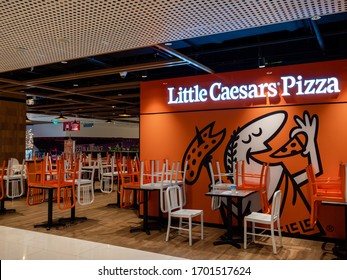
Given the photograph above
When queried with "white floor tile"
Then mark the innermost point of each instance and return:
(18, 244)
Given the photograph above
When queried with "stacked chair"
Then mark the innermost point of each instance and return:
(14, 178)
(325, 189)
(254, 181)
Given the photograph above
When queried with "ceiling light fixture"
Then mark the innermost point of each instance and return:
(261, 62)
(21, 50)
(316, 17)
(144, 74)
(61, 117)
(109, 121)
(63, 40)
(27, 120)
(124, 114)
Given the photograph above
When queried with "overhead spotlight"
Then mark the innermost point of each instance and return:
(27, 120)
(61, 117)
(124, 114)
(261, 62)
(316, 17)
(109, 121)
(144, 74)
(123, 74)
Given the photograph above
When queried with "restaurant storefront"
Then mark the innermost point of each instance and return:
(286, 116)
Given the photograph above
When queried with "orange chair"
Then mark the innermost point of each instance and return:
(324, 189)
(35, 179)
(65, 185)
(128, 178)
(254, 181)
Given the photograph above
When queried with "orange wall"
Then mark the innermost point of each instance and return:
(166, 132)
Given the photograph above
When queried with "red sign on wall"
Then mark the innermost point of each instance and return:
(72, 126)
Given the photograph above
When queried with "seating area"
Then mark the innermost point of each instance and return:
(134, 185)
(110, 226)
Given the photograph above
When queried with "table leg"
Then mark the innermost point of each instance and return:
(3, 210)
(229, 235)
(73, 217)
(341, 250)
(49, 224)
(144, 226)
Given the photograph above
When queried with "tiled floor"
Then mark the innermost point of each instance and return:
(18, 244)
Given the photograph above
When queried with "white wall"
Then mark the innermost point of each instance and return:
(119, 129)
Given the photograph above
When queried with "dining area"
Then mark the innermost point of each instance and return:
(151, 201)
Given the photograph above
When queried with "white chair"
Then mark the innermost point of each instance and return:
(107, 176)
(218, 184)
(85, 186)
(179, 178)
(174, 202)
(14, 178)
(262, 219)
(156, 178)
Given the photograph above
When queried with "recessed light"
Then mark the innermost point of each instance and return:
(75, 85)
(63, 40)
(21, 50)
(63, 61)
(315, 17)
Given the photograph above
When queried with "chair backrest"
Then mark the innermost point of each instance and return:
(264, 201)
(311, 178)
(213, 181)
(12, 162)
(276, 205)
(174, 199)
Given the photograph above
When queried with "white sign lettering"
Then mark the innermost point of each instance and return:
(288, 86)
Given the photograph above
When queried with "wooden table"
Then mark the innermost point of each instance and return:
(237, 195)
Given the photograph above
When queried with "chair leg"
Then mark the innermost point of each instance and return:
(279, 232)
(245, 234)
(180, 225)
(253, 232)
(273, 239)
(190, 231)
(202, 226)
(168, 228)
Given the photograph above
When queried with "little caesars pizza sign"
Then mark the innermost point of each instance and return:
(287, 86)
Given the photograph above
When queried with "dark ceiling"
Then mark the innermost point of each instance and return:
(104, 86)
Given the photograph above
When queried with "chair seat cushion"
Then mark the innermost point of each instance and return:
(256, 216)
(186, 213)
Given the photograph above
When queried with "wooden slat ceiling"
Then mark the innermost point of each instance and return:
(87, 58)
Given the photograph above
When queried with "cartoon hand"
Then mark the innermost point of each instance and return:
(308, 127)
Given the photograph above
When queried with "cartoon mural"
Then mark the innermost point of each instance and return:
(251, 144)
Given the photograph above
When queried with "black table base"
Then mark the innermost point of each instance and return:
(147, 228)
(48, 225)
(3, 210)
